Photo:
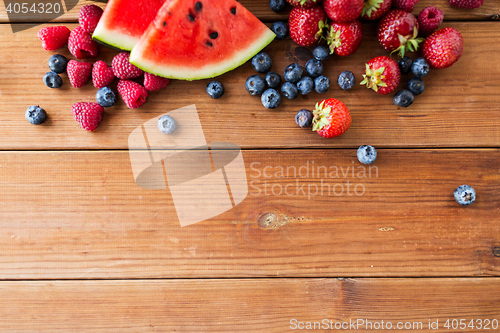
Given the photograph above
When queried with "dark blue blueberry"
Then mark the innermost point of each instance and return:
(262, 62)
(215, 89)
(367, 154)
(52, 80)
(405, 65)
(403, 98)
(304, 118)
(321, 84)
(105, 97)
(58, 63)
(321, 52)
(416, 86)
(35, 115)
(314, 68)
(255, 85)
(293, 73)
(280, 29)
(271, 99)
(273, 80)
(346, 80)
(464, 195)
(289, 90)
(277, 5)
(167, 124)
(420, 67)
(305, 85)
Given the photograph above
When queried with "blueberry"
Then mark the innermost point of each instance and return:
(464, 195)
(321, 84)
(321, 52)
(167, 124)
(314, 68)
(52, 80)
(277, 5)
(293, 73)
(35, 115)
(215, 89)
(289, 90)
(420, 67)
(280, 29)
(367, 154)
(416, 86)
(273, 80)
(58, 63)
(105, 97)
(255, 85)
(405, 65)
(304, 118)
(305, 85)
(346, 80)
(262, 62)
(403, 98)
(271, 99)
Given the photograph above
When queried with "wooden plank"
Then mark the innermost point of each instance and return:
(67, 215)
(262, 305)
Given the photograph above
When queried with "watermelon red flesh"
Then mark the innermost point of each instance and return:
(175, 46)
(124, 21)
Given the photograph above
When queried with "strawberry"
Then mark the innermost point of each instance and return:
(88, 115)
(53, 38)
(443, 48)
(154, 83)
(306, 25)
(469, 4)
(342, 11)
(429, 19)
(78, 73)
(382, 75)
(102, 74)
(375, 9)
(133, 94)
(406, 5)
(397, 32)
(89, 16)
(81, 45)
(331, 118)
(123, 69)
(344, 38)
(303, 3)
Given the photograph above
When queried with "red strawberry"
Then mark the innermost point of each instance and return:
(397, 32)
(154, 83)
(306, 24)
(78, 73)
(81, 45)
(303, 3)
(406, 5)
(123, 69)
(375, 9)
(382, 75)
(88, 115)
(342, 11)
(331, 118)
(89, 16)
(429, 19)
(344, 38)
(102, 75)
(133, 94)
(443, 48)
(469, 4)
(53, 38)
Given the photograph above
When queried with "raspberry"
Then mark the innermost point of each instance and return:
(406, 5)
(133, 94)
(88, 115)
(53, 38)
(154, 83)
(78, 73)
(429, 19)
(469, 4)
(123, 69)
(81, 45)
(102, 75)
(89, 16)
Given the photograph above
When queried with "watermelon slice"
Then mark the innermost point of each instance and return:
(124, 21)
(198, 39)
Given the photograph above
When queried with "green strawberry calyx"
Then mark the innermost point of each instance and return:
(370, 6)
(321, 115)
(303, 2)
(321, 26)
(373, 79)
(333, 39)
(408, 43)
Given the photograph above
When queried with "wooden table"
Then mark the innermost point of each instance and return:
(84, 249)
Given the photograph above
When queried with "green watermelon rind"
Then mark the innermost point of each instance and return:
(114, 38)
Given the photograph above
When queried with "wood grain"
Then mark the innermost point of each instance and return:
(67, 215)
(264, 305)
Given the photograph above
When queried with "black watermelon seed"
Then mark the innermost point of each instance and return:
(191, 17)
(198, 6)
(214, 35)
(209, 43)
(233, 10)
(164, 23)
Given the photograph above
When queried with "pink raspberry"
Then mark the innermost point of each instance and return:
(81, 45)
(89, 16)
(53, 38)
(429, 20)
(406, 5)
